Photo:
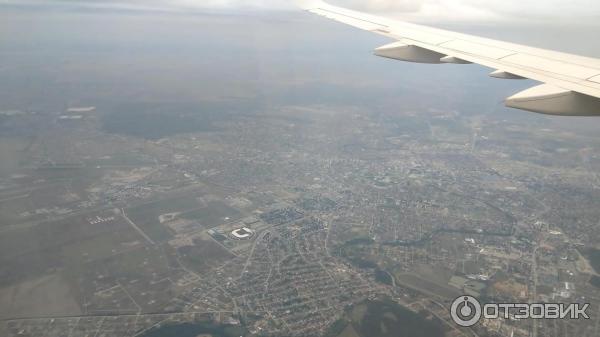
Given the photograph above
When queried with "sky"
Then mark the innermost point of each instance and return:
(487, 9)
(563, 11)
(108, 57)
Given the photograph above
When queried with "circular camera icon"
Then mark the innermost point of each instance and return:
(465, 311)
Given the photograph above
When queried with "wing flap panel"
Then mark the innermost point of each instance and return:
(551, 66)
(477, 49)
(419, 35)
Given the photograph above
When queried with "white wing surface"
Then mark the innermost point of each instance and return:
(571, 83)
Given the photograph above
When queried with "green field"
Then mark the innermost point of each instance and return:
(385, 318)
(146, 216)
(194, 330)
(593, 255)
(203, 255)
(215, 213)
(212, 214)
(595, 281)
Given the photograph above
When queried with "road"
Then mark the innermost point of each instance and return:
(139, 230)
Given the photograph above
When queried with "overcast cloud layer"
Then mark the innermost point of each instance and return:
(508, 9)
(565, 11)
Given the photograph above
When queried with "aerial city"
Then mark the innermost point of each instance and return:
(215, 173)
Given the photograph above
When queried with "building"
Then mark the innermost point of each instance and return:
(242, 233)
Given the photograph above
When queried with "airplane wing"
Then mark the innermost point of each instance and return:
(571, 83)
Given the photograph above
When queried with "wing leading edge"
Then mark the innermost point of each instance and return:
(571, 83)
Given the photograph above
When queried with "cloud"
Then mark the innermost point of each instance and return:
(573, 11)
(409, 6)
